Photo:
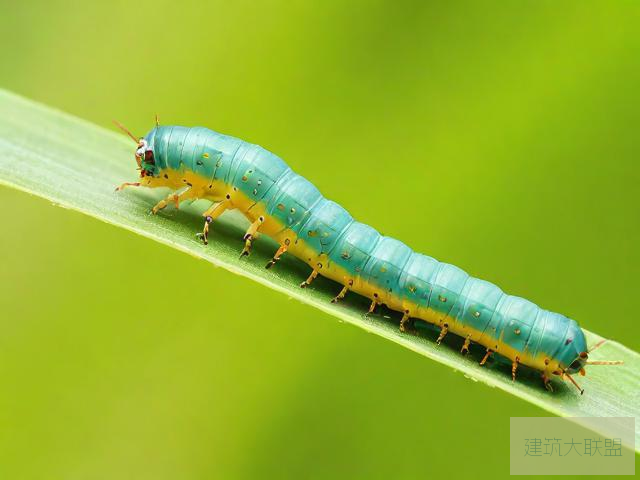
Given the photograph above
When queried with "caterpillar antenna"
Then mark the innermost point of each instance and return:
(606, 362)
(597, 345)
(125, 130)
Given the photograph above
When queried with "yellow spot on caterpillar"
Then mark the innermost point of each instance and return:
(293, 210)
(244, 178)
(476, 314)
(383, 269)
(442, 299)
(312, 233)
(412, 288)
(280, 206)
(517, 331)
(205, 155)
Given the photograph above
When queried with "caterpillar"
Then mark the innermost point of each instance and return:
(198, 163)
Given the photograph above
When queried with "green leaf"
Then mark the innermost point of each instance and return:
(77, 165)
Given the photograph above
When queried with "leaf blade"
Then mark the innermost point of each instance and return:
(77, 165)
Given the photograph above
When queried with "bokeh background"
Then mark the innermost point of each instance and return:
(499, 136)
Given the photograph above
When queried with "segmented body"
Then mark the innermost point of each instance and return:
(321, 233)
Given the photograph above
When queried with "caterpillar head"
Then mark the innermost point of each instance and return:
(144, 152)
(145, 159)
(579, 363)
(573, 352)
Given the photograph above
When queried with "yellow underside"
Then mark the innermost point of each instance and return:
(217, 191)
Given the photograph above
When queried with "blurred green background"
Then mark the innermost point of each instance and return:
(498, 136)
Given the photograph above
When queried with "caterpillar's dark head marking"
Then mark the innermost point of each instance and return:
(578, 364)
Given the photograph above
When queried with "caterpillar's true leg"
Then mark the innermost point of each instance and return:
(343, 292)
(176, 197)
(404, 321)
(443, 332)
(547, 382)
(250, 235)
(127, 184)
(465, 348)
(311, 277)
(213, 212)
(514, 367)
(283, 248)
(374, 304)
(486, 356)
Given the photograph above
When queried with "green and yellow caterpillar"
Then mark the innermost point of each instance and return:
(198, 163)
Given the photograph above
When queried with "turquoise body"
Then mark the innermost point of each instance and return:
(360, 250)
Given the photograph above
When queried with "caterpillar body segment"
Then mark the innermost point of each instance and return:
(200, 163)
